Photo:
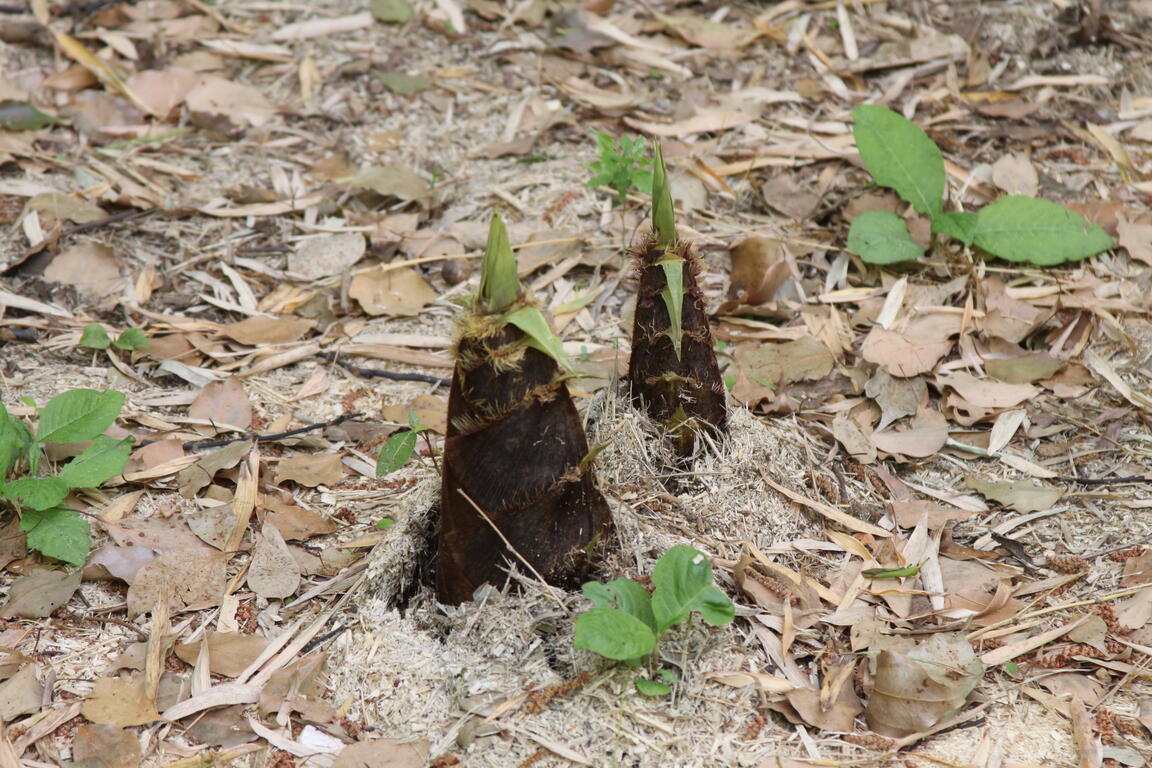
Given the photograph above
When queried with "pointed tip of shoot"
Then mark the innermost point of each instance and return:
(663, 214)
(499, 283)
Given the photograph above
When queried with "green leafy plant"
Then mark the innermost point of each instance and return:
(79, 415)
(400, 446)
(95, 336)
(623, 164)
(901, 156)
(626, 623)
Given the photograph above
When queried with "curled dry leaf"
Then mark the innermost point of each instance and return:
(198, 476)
(759, 267)
(918, 684)
(897, 397)
(112, 562)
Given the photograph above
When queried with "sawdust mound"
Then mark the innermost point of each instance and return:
(498, 678)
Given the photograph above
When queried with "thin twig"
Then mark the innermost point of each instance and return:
(383, 374)
(201, 445)
(1103, 480)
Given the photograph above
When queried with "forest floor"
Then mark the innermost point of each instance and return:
(288, 200)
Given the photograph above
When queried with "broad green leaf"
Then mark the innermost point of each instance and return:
(78, 414)
(499, 284)
(958, 224)
(881, 237)
(59, 533)
(1019, 228)
(663, 212)
(35, 492)
(683, 579)
(899, 155)
(673, 295)
(391, 11)
(103, 460)
(624, 594)
(95, 337)
(11, 444)
(22, 116)
(613, 634)
(396, 452)
(539, 334)
(652, 688)
(131, 338)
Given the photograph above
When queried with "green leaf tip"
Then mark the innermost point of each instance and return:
(499, 284)
(539, 334)
(663, 213)
(673, 295)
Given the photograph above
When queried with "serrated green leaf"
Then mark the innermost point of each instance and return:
(881, 237)
(95, 337)
(391, 11)
(653, 688)
(613, 634)
(78, 414)
(958, 224)
(624, 594)
(131, 338)
(663, 212)
(673, 295)
(683, 579)
(22, 116)
(1019, 228)
(35, 492)
(899, 155)
(539, 334)
(396, 452)
(104, 459)
(59, 533)
(499, 283)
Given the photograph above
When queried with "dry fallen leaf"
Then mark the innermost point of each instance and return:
(310, 470)
(229, 653)
(39, 593)
(193, 580)
(273, 571)
(1020, 495)
(383, 753)
(121, 702)
(198, 476)
(105, 746)
(759, 267)
(90, 267)
(897, 397)
(927, 434)
(21, 694)
(228, 106)
(112, 562)
(258, 331)
(327, 254)
(296, 523)
(903, 355)
(224, 403)
(400, 292)
(919, 684)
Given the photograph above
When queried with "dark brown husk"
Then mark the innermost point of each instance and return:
(685, 394)
(516, 447)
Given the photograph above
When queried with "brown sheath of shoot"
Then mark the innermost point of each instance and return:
(514, 445)
(673, 371)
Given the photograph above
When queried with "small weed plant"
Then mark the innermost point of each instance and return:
(623, 164)
(76, 416)
(400, 446)
(95, 336)
(626, 623)
(901, 156)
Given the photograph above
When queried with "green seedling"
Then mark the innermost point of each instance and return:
(518, 483)
(95, 336)
(400, 446)
(900, 155)
(673, 370)
(623, 165)
(626, 623)
(80, 415)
